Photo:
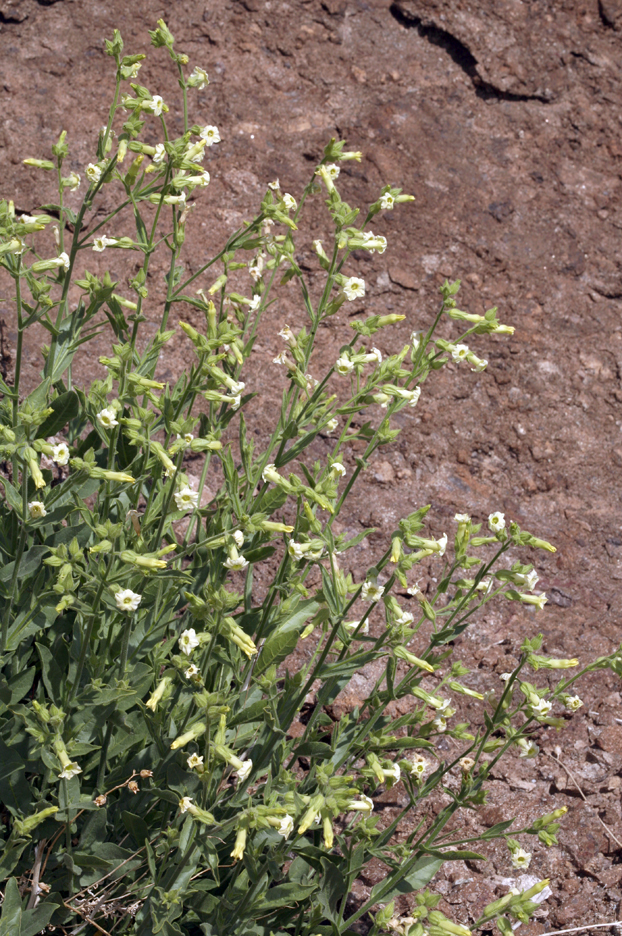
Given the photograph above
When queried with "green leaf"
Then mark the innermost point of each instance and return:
(259, 554)
(415, 880)
(11, 920)
(284, 894)
(10, 760)
(456, 855)
(272, 500)
(30, 562)
(12, 495)
(8, 859)
(283, 640)
(313, 749)
(34, 921)
(496, 830)
(66, 407)
(332, 888)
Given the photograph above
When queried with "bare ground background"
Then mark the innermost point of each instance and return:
(503, 117)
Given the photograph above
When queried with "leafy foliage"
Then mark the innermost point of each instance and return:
(149, 773)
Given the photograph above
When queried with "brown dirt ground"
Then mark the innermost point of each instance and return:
(503, 117)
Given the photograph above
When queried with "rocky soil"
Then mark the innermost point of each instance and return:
(503, 118)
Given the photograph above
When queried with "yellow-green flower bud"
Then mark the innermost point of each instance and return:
(403, 654)
(25, 827)
(191, 735)
(39, 164)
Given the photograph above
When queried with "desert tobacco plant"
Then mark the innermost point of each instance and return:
(151, 778)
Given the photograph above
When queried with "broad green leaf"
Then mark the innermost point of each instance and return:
(333, 886)
(30, 562)
(34, 921)
(11, 919)
(286, 894)
(283, 640)
(415, 880)
(66, 407)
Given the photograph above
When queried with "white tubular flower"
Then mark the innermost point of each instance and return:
(344, 365)
(185, 804)
(69, 771)
(363, 804)
(198, 180)
(155, 105)
(296, 550)
(61, 453)
(521, 858)
(479, 364)
(505, 677)
(387, 201)
(287, 335)
(108, 418)
(417, 766)
(331, 425)
(236, 563)
(192, 671)
(413, 396)
(496, 521)
(541, 708)
(243, 772)
(65, 258)
(198, 79)
(186, 499)
(371, 591)
(160, 154)
(354, 288)
(375, 354)
(442, 544)
(337, 469)
(538, 600)
(275, 186)
(188, 641)
(573, 703)
(392, 773)
(238, 536)
(440, 723)
(286, 827)
(416, 338)
(289, 201)
(333, 170)
(210, 134)
(93, 173)
(270, 474)
(486, 585)
(36, 510)
(127, 600)
(72, 182)
(254, 303)
(405, 619)
(100, 243)
(255, 268)
(281, 358)
(311, 382)
(527, 748)
(531, 580)
(194, 761)
(351, 626)
(466, 764)
(462, 518)
(459, 352)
